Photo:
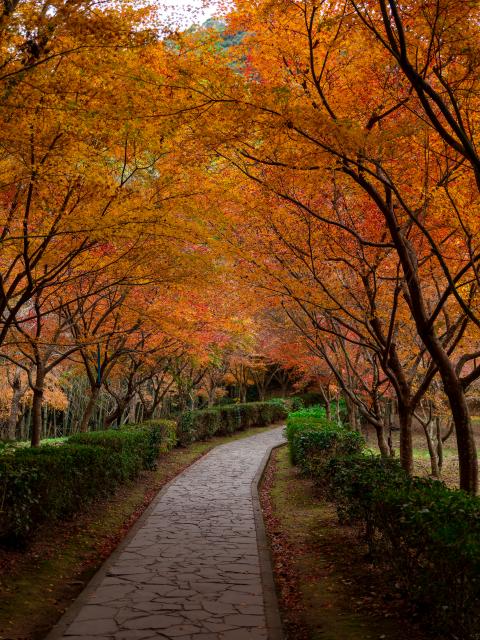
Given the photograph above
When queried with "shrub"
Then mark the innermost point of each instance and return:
(168, 430)
(138, 445)
(307, 399)
(427, 535)
(55, 481)
(279, 402)
(314, 448)
(50, 483)
(223, 420)
(353, 480)
(306, 419)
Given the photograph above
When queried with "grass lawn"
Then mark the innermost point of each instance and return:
(39, 583)
(328, 590)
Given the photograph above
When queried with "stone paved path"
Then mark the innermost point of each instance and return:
(192, 571)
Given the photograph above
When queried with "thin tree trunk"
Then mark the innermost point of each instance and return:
(431, 451)
(381, 440)
(37, 406)
(14, 407)
(328, 411)
(406, 444)
(89, 409)
(352, 414)
(439, 444)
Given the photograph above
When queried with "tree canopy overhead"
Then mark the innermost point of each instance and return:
(292, 185)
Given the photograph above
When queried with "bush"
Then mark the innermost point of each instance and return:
(55, 481)
(307, 399)
(51, 483)
(353, 480)
(314, 441)
(139, 445)
(296, 403)
(224, 420)
(426, 534)
(313, 449)
(168, 431)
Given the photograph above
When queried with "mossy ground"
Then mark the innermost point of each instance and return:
(328, 590)
(39, 583)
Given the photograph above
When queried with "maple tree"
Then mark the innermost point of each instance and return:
(312, 96)
(290, 194)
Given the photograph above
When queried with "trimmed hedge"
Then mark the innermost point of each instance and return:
(314, 448)
(168, 432)
(427, 536)
(51, 483)
(314, 440)
(140, 445)
(224, 420)
(54, 482)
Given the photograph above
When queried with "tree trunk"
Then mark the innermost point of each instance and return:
(467, 451)
(439, 444)
(406, 444)
(352, 414)
(431, 451)
(452, 385)
(14, 407)
(37, 403)
(242, 393)
(211, 396)
(89, 409)
(328, 411)
(381, 440)
(116, 415)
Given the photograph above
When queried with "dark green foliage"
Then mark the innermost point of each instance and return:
(313, 448)
(296, 403)
(56, 481)
(168, 431)
(51, 483)
(307, 399)
(134, 446)
(139, 444)
(279, 402)
(308, 448)
(226, 419)
(352, 482)
(426, 534)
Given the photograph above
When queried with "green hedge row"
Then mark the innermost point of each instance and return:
(313, 440)
(223, 420)
(53, 482)
(427, 536)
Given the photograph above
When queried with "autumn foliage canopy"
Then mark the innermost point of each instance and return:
(291, 189)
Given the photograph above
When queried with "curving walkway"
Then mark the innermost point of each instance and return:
(195, 566)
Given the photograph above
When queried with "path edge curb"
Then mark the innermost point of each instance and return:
(270, 598)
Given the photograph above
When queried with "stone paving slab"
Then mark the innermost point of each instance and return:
(195, 566)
